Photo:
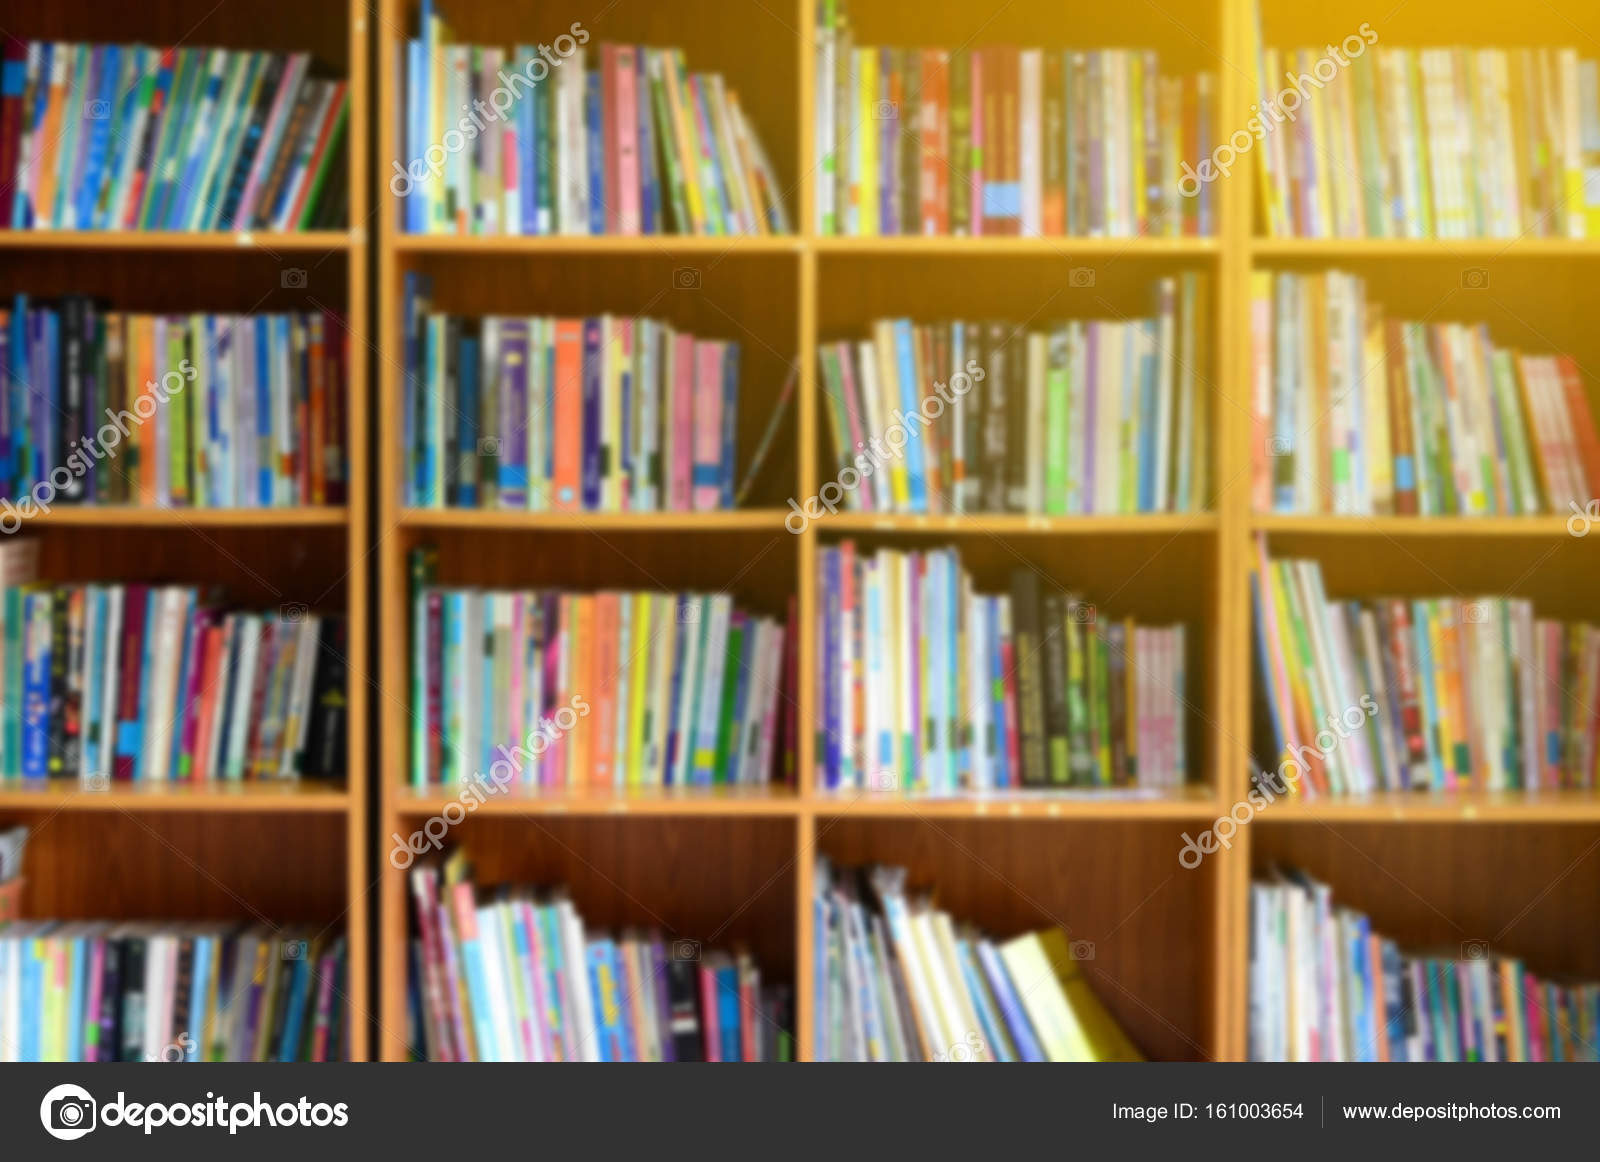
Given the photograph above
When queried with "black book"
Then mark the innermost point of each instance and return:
(288, 953)
(1030, 695)
(995, 388)
(944, 426)
(1116, 644)
(298, 125)
(69, 423)
(451, 462)
(97, 396)
(131, 1018)
(250, 143)
(72, 690)
(324, 755)
(683, 991)
(109, 1017)
(179, 1034)
(1057, 728)
(1016, 459)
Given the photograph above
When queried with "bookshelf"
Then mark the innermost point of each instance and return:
(1172, 944)
(252, 852)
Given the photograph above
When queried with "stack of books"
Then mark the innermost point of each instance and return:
(1424, 694)
(1442, 142)
(158, 991)
(198, 410)
(548, 146)
(1325, 987)
(158, 683)
(1084, 417)
(1359, 414)
(898, 980)
(516, 977)
(542, 414)
(926, 685)
(128, 137)
(1002, 140)
(568, 690)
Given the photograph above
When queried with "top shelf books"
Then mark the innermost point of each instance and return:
(1001, 140)
(533, 141)
(129, 137)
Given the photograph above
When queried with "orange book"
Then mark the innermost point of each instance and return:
(603, 673)
(566, 473)
(1581, 427)
(210, 695)
(580, 681)
(49, 139)
(1379, 1005)
(144, 367)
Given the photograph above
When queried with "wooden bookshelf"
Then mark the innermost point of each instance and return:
(255, 852)
(1172, 944)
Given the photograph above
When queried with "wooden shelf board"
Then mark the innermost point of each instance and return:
(595, 244)
(296, 795)
(1016, 523)
(1347, 248)
(1414, 526)
(1048, 247)
(760, 520)
(177, 240)
(1122, 804)
(90, 515)
(1463, 807)
(516, 800)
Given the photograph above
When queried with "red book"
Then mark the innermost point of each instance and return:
(1584, 437)
(131, 682)
(195, 697)
(710, 1027)
(13, 60)
(266, 662)
(1053, 211)
(330, 126)
(566, 476)
(749, 1006)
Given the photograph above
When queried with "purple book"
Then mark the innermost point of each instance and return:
(513, 461)
(658, 973)
(592, 391)
(1005, 994)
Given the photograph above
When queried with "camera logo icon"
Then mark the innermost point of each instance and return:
(68, 1112)
(686, 950)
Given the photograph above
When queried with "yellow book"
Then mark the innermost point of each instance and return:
(613, 364)
(657, 718)
(889, 397)
(1375, 429)
(867, 138)
(644, 646)
(266, 979)
(672, 80)
(1061, 1035)
(1107, 1041)
(578, 681)
(1141, 201)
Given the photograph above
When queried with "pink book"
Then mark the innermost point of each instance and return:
(288, 90)
(435, 1010)
(91, 1009)
(511, 213)
(709, 1028)
(630, 410)
(537, 1033)
(326, 968)
(975, 215)
(627, 140)
(707, 425)
(682, 421)
(852, 409)
(516, 729)
(452, 988)
(555, 678)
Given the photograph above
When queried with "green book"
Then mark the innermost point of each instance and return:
(1080, 756)
(188, 72)
(1058, 422)
(177, 412)
(325, 165)
(732, 673)
(230, 137)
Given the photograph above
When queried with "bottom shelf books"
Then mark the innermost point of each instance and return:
(159, 991)
(899, 980)
(1325, 987)
(516, 977)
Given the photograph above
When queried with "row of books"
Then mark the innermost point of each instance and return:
(1356, 413)
(158, 991)
(1324, 986)
(637, 146)
(926, 685)
(193, 410)
(1083, 417)
(130, 137)
(560, 689)
(516, 976)
(897, 979)
(1422, 694)
(599, 414)
(1002, 140)
(159, 683)
(1442, 142)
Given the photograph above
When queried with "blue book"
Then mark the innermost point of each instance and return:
(1394, 1001)
(624, 450)
(33, 972)
(294, 1017)
(208, 94)
(36, 686)
(425, 103)
(23, 216)
(649, 187)
(1148, 436)
(467, 424)
(1420, 612)
(592, 393)
(99, 143)
(6, 489)
(529, 139)
(996, 1042)
(513, 371)
(44, 394)
(147, 652)
(728, 1025)
(77, 995)
(205, 949)
(607, 1000)
(1005, 994)
(997, 713)
(416, 135)
(910, 401)
(478, 995)
(626, 1000)
(593, 110)
(730, 419)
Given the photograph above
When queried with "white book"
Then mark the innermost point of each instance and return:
(250, 632)
(166, 646)
(299, 719)
(868, 390)
(496, 988)
(709, 697)
(827, 158)
(1030, 85)
(576, 954)
(1108, 418)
